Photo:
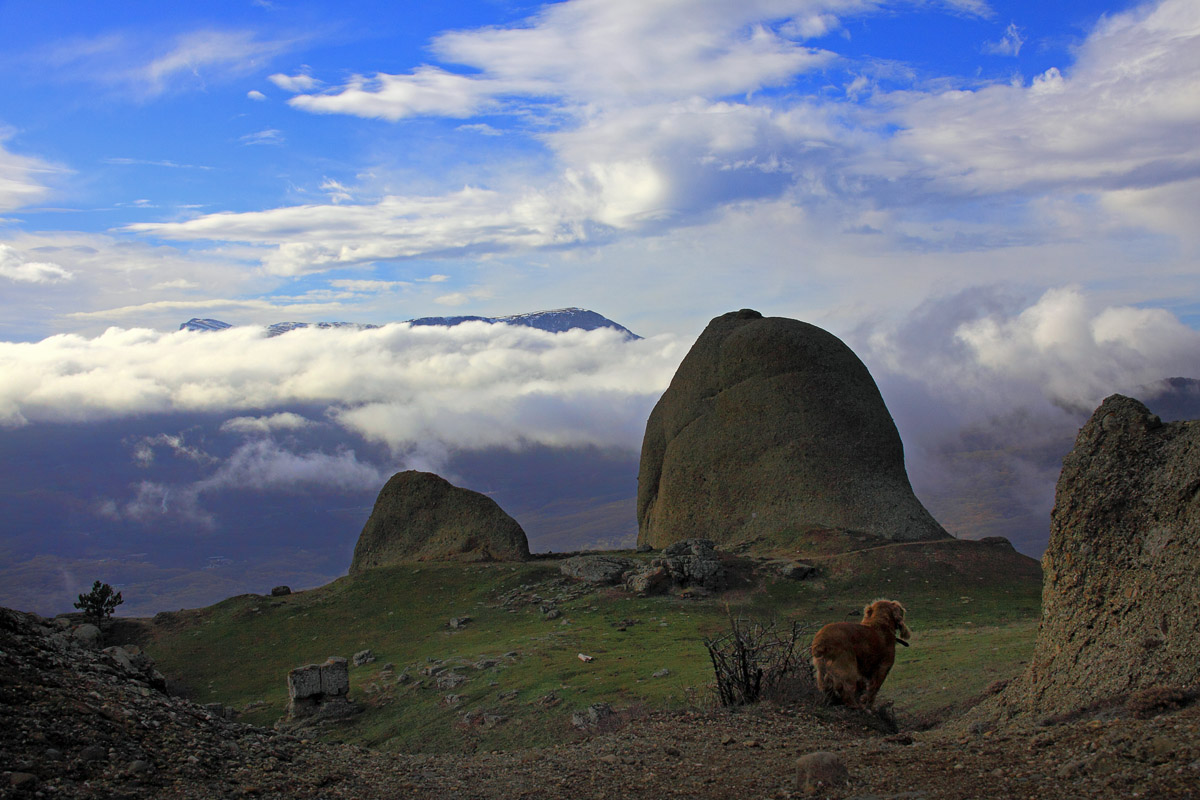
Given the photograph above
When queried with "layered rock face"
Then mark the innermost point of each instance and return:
(771, 427)
(420, 516)
(1121, 597)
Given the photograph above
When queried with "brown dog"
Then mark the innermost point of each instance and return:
(852, 659)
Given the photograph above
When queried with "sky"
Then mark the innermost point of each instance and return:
(996, 204)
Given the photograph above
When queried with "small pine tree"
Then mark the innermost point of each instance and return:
(98, 604)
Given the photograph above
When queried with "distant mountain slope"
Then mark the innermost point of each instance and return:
(557, 320)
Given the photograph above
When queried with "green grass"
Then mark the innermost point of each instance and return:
(968, 632)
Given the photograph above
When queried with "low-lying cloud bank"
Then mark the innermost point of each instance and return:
(473, 385)
(987, 389)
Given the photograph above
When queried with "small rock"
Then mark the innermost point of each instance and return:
(22, 780)
(459, 622)
(728, 739)
(609, 758)
(672, 751)
(553, 613)
(281, 591)
(93, 752)
(662, 673)
(820, 769)
(798, 571)
(140, 767)
(363, 657)
(89, 636)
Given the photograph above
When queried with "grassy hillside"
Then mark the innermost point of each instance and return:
(973, 610)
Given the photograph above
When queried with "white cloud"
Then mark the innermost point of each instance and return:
(143, 449)
(408, 387)
(294, 83)
(285, 421)
(16, 268)
(147, 66)
(22, 178)
(1122, 116)
(1008, 45)
(255, 94)
(268, 136)
(262, 465)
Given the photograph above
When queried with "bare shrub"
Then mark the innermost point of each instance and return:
(760, 660)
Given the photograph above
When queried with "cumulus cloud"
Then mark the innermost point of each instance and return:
(400, 385)
(1122, 116)
(671, 132)
(255, 94)
(294, 83)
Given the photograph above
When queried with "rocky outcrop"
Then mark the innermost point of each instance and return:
(601, 569)
(420, 516)
(691, 563)
(320, 690)
(769, 428)
(1120, 599)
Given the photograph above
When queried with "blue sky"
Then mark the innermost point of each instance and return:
(994, 201)
(833, 159)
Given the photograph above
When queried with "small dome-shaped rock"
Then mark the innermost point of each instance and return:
(420, 516)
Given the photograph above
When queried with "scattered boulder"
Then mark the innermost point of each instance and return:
(693, 562)
(458, 623)
(281, 591)
(603, 569)
(419, 516)
(591, 716)
(655, 579)
(798, 571)
(1120, 609)
(89, 636)
(363, 657)
(772, 427)
(820, 770)
(319, 690)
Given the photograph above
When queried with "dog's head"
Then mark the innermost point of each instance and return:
(887, 613)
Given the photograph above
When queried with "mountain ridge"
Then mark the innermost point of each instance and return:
(557, 320)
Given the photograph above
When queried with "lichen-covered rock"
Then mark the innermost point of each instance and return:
(420, 516)
(602, 569)
(769, 428)
(316, 688)
(693, 562)
(1121, 598)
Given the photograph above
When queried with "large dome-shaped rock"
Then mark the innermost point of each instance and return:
(1120, 594)
(769, 428)
(420, 516)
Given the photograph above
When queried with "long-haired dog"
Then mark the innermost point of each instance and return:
(852, 659)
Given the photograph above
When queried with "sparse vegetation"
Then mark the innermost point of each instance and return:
(99, 604)
(969, 632)
(753, 659)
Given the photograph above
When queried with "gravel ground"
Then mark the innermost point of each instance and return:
(87, 723)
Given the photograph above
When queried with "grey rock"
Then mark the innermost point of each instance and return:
(419, 516)
(798, 571)
(281, 591)
(363, 657)
(771, 427)
(601, 569)
(93, 752)
(662, 673)
(450, 680)
(89, 636)
(820, 770)
(592, 715)
(1124, 550)
(459, 622)
(312, 687)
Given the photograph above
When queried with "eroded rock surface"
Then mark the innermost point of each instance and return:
(420, 516)
(772, 427)
(1121, 597)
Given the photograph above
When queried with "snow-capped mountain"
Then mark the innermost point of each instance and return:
(555, 321)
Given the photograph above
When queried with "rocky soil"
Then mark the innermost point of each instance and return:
(89, 723)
